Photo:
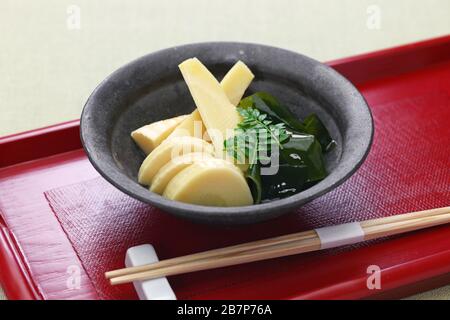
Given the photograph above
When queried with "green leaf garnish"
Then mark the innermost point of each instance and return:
(266, 103)
(255, 136)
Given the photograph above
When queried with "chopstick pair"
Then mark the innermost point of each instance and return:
(285, 245)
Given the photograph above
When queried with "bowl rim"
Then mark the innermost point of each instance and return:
(250, 211)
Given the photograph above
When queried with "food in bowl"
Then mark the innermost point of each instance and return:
(231, 151)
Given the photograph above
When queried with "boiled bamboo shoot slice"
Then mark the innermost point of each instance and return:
(172, 168)
(168, 150)
(210, 182)
(236, 81)
(218, 114)
(191, 126)
(150, 136)
(234, 84)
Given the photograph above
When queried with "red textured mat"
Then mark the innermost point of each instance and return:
(406, 170)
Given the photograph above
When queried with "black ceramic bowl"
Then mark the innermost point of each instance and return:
(151, 88)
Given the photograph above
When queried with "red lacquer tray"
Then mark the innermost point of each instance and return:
(35, 251)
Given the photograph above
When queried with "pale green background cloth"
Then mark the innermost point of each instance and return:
(50, 60)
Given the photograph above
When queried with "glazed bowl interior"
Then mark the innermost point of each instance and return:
(151, 88)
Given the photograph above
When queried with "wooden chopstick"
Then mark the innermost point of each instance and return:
(276, 247)
(212, 253)
(262, 243)
(304, 245)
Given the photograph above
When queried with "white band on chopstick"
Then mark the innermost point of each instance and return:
(340, 235)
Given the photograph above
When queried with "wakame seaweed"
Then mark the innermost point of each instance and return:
(253, 176)
(299, 147)
(304, 150)
(314, 126)
(289, 180)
